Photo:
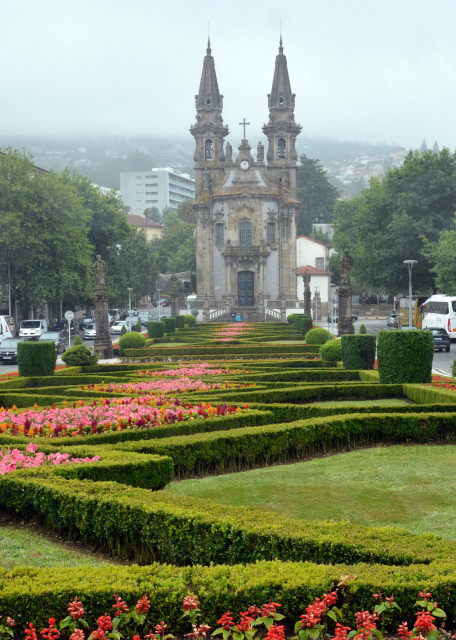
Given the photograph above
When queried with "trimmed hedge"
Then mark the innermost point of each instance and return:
(189, 319)
(180, 322)
(36, 358)
(331, 351)
(405, 356)
(358, 351)
(317, 336)
(156, 329)
(302, 323)
(132, 340)
(170, 325)
(79, 356)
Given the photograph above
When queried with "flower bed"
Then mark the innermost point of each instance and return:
(13, 459)
(114, 414)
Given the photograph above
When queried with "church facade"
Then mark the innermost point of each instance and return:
(246, 207)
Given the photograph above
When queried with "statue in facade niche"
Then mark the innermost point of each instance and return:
(260, 152)
(229, 152)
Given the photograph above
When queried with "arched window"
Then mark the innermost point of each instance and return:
(208, 150)
(245, 233)
(282, 148)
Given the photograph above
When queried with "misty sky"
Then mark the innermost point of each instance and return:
(362, 70)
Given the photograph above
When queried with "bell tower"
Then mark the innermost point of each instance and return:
(208, 131)
(282, 129)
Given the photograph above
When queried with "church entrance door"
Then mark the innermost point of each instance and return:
(245, 288)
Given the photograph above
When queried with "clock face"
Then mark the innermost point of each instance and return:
(244, 165)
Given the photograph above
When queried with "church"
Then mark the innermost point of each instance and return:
(246, 206)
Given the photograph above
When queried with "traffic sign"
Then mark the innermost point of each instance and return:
(69, 315)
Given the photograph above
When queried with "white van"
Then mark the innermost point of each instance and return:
(32, 328)
(7, 328)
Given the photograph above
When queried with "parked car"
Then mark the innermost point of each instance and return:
(393, 320)
(144, 317)
(336, 318)
(84, 323)
(129, 324)
(58, 337)
(90, 332)
(8, 350)
(32, 328)
(441, 339)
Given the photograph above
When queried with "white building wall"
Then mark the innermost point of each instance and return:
(322, 282)
(159, 187)
(308, 250)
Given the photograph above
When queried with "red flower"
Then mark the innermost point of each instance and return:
(340, 632)
(10, 622)
(104, 623)
(75, 609)
(190, 602)
(269, 609)
(51, 633)
(276, 632)
(226, 621)
(160, 628)
(78, 634)
(425, 595)
(244, 624)
(404, 632)
(30, 633)
(424, 622)
(120, 606)
(143, 604)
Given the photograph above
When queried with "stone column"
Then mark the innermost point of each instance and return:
(345, 295)
(307, 294)
(174, 296)
(103, 342)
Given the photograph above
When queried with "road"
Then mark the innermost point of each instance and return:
(442, 362)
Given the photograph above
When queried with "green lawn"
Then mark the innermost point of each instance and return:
(22, 545)
(408, 486)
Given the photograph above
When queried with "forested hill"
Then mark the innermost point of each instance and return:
(102, 158)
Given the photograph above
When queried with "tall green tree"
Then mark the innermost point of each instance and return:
(317, 195)
(176, 250)
(388, 222)
(44, 246)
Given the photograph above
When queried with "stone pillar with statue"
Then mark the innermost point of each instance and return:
(103, 343)
(173, 285)
(307, 294)
(345, 295)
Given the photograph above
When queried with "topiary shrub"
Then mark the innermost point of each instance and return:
(170, 325)
(80, 356)
(138, 327)
(180, 322)
(132, 340)
(358, 351)
(77, 340)
(331, 351)
(36, 358)
(155, 329)
(405, 356)
(189, 319)
(362, 329)
(317, 336)
(291, 317)
(123, 330)
(302, 322)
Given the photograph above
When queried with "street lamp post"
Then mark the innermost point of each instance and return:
(316, 304)
(410, 264)
(159, 305)
(130, 289)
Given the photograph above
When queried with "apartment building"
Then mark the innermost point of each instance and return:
(161, 187)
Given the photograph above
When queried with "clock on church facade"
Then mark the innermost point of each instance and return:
(245, 207)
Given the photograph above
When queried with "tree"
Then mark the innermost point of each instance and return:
(176, 250)
(152, 213)
(387, 223)
(43, 233)
(317, 195)
(442, 257)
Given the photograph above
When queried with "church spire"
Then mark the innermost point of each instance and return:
(209, 131)
(281, 98)
(282, 129)
(209, 97)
